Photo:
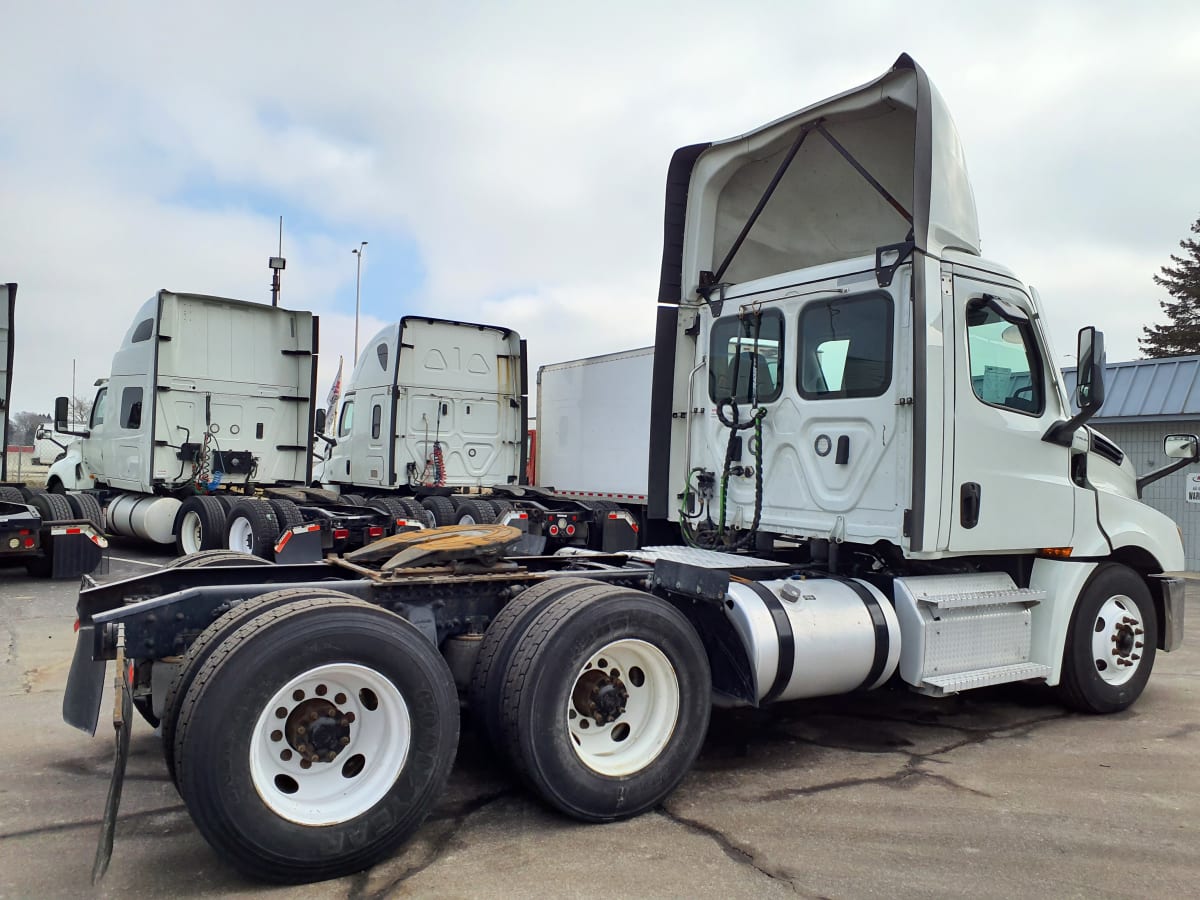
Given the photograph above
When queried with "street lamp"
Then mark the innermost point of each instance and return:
(358, 251)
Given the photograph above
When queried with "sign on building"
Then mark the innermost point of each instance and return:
(1193, 488)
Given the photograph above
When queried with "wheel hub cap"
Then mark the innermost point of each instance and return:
(1118, 639)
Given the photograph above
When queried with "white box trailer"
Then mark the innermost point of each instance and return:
(594, 426)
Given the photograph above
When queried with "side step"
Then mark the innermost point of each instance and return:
(960, 632)
(941, 685)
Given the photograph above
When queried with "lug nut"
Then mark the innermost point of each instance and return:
(301, 730)
(344, 741)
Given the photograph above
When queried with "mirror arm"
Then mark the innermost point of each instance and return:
(1063, 433)
(332, 442)
(1151, 477)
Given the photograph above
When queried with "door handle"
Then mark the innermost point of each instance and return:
(970, 499)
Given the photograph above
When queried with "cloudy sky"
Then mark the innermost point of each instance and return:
(506, 161)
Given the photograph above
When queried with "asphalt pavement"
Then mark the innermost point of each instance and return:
(995, 793)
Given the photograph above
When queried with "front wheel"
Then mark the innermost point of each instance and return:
(315, 739)
(606, 702)
(1111, 645)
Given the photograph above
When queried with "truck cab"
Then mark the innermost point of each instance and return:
(846, 366)
(432, 403)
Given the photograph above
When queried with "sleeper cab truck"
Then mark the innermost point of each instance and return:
(858, 429)
(434, 417)
(201, 436)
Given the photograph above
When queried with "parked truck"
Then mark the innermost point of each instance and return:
(434, 418)
(51, 536)
(202, 436)
(853, 416)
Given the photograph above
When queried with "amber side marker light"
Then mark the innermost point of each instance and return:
(1055, 552)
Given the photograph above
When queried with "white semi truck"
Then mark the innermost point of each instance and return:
(202, 436)
(852, 416)
(434, 417)
(51, 536)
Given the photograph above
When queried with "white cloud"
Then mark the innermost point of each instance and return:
(523, 148)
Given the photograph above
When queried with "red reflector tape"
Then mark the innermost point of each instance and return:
(283, 541)
(74, 531)
(612, 515)
(523, 516)
(76, 626)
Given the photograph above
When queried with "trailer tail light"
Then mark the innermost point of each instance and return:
(28, 543)
(553, 530)
(24, 532)
(570, 531)
(340, 534)
(375, 531)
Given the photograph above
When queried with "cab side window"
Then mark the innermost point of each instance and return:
(131, 408)
(745, 358)
(846, 347)
(347, 420)
(98, 408)
(1006, 369)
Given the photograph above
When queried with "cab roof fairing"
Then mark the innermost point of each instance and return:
(897, 127)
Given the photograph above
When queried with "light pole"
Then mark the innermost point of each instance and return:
(358, 251)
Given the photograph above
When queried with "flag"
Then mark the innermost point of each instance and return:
(331, 402)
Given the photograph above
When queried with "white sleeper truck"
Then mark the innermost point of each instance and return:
(202, 436)
(434, 419)
(858, 429)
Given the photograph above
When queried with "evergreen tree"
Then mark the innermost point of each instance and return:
(1181, 335)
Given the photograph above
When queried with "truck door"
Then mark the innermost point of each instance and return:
(1010, 489)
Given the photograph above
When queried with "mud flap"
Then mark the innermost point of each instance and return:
(122, 721)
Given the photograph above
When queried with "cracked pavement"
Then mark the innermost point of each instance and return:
(996, 793)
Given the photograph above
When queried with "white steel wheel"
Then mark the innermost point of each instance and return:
(241, 535)
(191, 532)
(623, 707)
(1118, 640)
(330, 744)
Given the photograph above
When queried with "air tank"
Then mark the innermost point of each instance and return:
(143, 516)
(814, 637)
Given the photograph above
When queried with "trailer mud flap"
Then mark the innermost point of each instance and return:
(122, 713)
(85, 683)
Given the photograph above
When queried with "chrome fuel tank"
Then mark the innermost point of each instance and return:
(814, 637)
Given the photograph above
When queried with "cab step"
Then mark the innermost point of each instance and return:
(941, 685)
(960, 632)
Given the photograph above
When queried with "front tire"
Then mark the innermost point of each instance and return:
(606, 702)
(359, 689)
(1111, 645)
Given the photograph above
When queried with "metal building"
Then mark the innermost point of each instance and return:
(1145, 400)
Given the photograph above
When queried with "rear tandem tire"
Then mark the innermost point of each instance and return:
(206, 558)
(485, 693)
(208, 641)
(84, 506)
(51, 507)
(252, 528)
(199, 525)
(442, 509)
(475, 512)
(371, 678)
(606, 702)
